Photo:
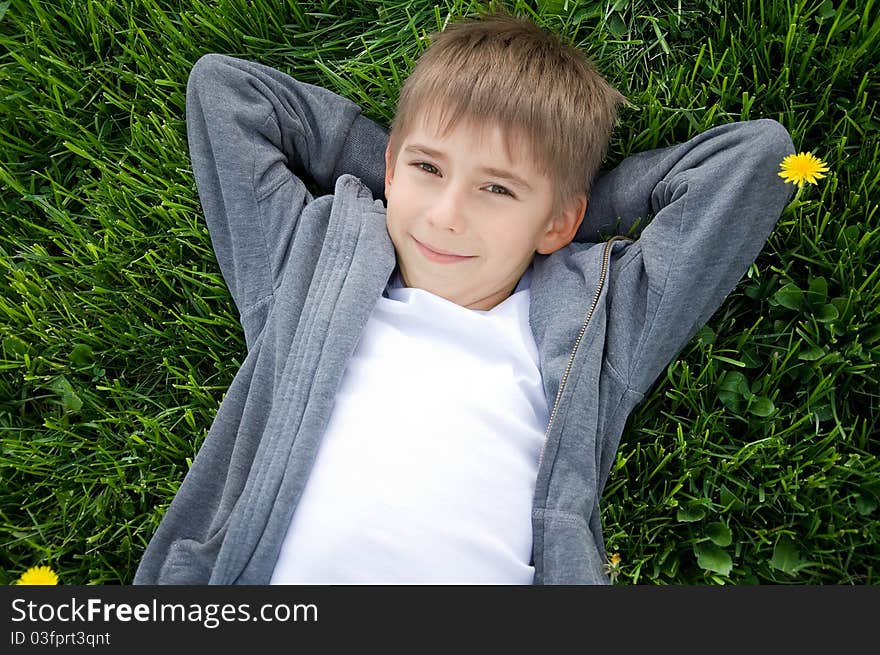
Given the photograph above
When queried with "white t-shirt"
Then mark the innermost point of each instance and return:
(427, 468)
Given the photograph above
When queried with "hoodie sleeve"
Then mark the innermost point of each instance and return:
(715, 200)
(256, 138)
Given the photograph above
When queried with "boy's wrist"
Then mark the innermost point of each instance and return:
(363, 154)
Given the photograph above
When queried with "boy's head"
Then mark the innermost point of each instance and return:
(492, 99)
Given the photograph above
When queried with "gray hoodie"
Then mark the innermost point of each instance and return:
(305, 271)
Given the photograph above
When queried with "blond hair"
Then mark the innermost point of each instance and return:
(502, 70)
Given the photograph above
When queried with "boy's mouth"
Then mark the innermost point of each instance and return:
(439, 256)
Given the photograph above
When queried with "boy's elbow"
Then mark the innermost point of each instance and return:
(202, 64)
(206, 71)
(769, 143)
(772, 139)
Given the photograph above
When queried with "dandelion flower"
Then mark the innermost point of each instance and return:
(612, 567)
(38, 575)
(803, 167)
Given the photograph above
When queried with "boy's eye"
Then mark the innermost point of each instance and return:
(503, 192)
(420, 164)
(433, 170)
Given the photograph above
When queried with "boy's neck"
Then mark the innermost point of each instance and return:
(396, 281)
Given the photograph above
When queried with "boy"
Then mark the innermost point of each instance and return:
(434, 390)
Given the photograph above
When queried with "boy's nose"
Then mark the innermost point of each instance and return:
(448, 210)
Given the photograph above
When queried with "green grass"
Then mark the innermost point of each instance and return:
(753, 460)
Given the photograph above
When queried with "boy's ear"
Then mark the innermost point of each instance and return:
(389, 168)
(564, 226)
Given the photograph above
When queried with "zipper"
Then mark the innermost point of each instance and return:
(605, 256)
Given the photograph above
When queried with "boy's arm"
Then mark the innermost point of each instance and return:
(255, 136)
(715, 199)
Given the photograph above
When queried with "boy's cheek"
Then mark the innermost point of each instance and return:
(395, 232)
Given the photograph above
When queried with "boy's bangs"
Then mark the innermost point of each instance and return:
(447, 109)
(441, 117)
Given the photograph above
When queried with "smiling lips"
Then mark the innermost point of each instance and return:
(440, 257)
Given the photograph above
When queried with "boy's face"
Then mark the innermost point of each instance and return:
(443, 194)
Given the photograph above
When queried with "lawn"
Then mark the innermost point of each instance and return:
(755, 459)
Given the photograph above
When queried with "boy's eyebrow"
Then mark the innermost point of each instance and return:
(496, 172)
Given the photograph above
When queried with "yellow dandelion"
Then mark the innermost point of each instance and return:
(803, 167)
(612, 567)
(38, 575)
